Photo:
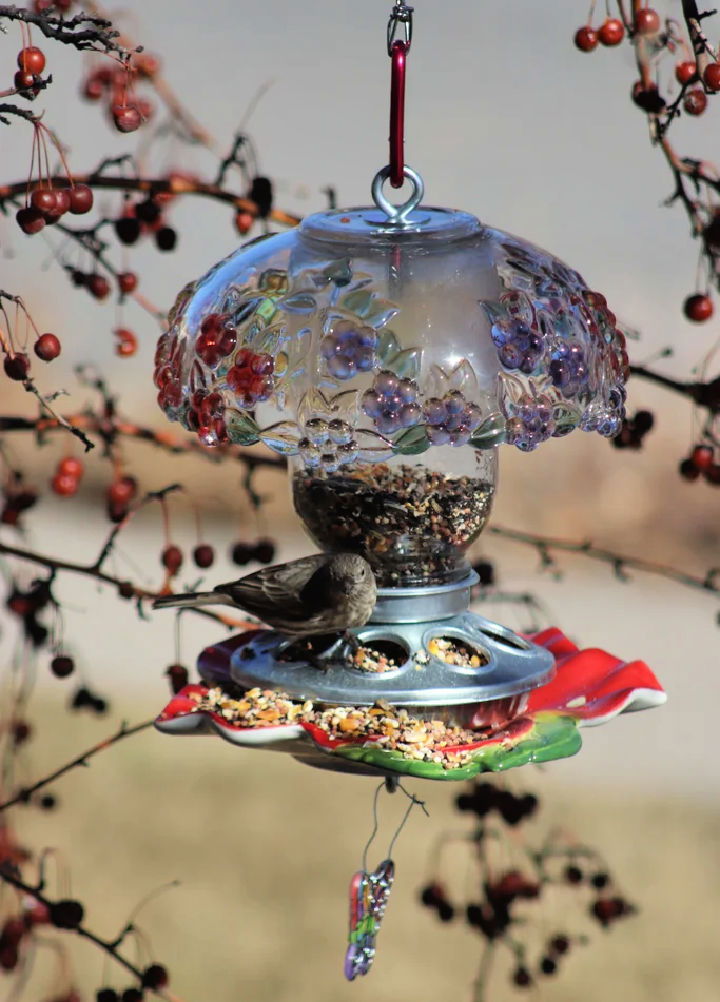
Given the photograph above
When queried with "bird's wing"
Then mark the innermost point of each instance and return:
(274, 592)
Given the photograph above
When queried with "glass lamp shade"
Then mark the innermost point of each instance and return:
(388, 361)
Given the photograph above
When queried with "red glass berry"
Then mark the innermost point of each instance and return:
(172, 558)
(127, 281)
(61, 666)
(698, 307)
(126, 117)
(98, 286)
(647, 21)
(65, 485)
(611, 32)
(685, 71)
(81, 199)
(204, 555)
(702, 456)
(16, 366)
(695, 102)
(711, 76)
(71, 466)
(47, 347)
(30, 220)
(31, 60)
(586, 38)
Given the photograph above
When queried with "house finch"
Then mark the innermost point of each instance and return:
(323, 593)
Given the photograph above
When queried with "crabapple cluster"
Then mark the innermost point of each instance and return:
(329, 444)
(518, 346)
(392, 403)
(119, 496)
(348, 348)
(612, 31)
(451, 419)
(47, 204)
(68, 475)
(111, 84)
(701, 463)
(28, 81)
(529, 421)
(145, 217)
(633, 430)
(263, 551)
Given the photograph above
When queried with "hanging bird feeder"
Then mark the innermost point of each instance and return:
(388, 351)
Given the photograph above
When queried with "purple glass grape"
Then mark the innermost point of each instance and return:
(530, 423)
(392, 403)
(568, 369)
(348, 348)
(519, 346)
(451, 419)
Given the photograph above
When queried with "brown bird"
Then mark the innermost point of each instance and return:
(323, 593)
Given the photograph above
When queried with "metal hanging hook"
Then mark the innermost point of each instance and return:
(397, 214)
(401, 14)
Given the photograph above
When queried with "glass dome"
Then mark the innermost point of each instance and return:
(388, 360)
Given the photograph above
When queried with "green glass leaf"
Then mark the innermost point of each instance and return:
(358, 302)
(242, 429)
(412, 441)
(406, 363)
(387, 346)
(298, 302)
(490, 433)
(282, 437)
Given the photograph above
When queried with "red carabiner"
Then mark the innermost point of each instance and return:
(398, 54)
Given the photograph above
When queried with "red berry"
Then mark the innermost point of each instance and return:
(126, 344)
(92, 89)
(179, 677)
(172, 558)
(61, 666)
(30, 220)
(695, 102)
(155, 976)
(62, 200)
(698, 307)
(204, 555)
(647, 21)
(711, 76)
(81, 199)
(242, 553)
(71, 467)
(98, 286)
(31, 60)
(16, 366)
(166, 238)
(648, 97)
(688, 470)
(65, 485)
(243, 221)
(685, 71)
(13, 930)
(127, 281)
(43, 199)
(586, 38)
(126, 117)
(611, 32)
(702, 456)
(25, 82)
(122, 491)
(47, 347)
(9, 956)
(712, 474)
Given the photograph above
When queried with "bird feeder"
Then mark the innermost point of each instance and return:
(389, 351)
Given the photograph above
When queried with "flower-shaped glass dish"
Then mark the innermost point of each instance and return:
(588, 687)
(387, 362)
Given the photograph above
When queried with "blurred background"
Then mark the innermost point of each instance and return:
(506, 119)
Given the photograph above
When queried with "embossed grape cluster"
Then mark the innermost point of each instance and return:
(519, 347)
(530, 422)
(392, 403)
(217, 339)
(606, 417)
(348, 348)
(205, 416)
(451, 420)
(327, 444)
(568, 369)
(251, 377)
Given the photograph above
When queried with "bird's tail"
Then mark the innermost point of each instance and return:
(191, 599)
